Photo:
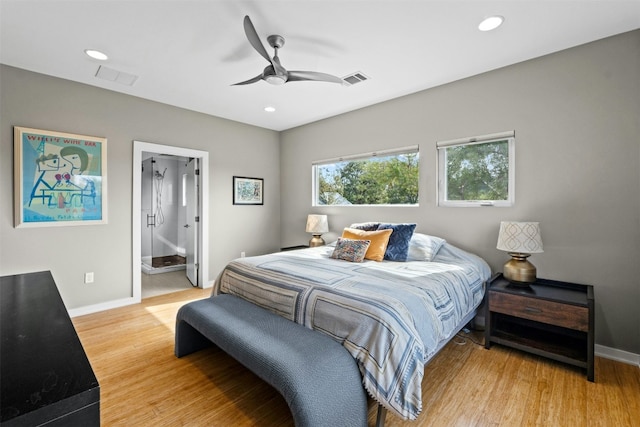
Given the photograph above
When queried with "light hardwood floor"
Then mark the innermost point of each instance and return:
(143, 384)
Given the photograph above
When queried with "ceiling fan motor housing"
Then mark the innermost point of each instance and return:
(275, 41)
(270, 76)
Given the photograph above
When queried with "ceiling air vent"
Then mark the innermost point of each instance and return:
(116, 76)
(355, 78)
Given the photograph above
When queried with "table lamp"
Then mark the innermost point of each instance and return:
(520, 240)
(316, 225)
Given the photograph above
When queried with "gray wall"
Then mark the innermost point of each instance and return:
(575, 114)
(576, 117)
(38, 101)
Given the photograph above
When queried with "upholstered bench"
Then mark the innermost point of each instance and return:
(317, 377)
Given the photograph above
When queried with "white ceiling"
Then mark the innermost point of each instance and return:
(189, 53)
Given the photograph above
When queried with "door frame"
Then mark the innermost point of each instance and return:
(203, 230)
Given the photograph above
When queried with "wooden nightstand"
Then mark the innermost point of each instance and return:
(550, 318)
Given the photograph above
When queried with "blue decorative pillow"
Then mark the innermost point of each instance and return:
(350, 250)
(365, 226)
(398, 247)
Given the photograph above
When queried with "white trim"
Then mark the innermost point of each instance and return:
(617, 355)
(363, 156)
(110, 305)
(476, 139)
(599, 350)
(203, 242)
(95, 308)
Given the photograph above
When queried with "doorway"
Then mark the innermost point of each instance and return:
(170, 217)
(169, 238)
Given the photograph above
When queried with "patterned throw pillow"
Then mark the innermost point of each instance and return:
(350, 250)
(379, 240)
(398, 247)
(423, 247)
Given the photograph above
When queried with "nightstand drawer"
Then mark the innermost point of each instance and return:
(565, 315)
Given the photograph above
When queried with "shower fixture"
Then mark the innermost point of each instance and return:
(159, 216)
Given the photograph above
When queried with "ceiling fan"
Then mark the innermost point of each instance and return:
(275, 73)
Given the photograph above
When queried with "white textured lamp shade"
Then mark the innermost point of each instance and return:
(520, 239)
(316, 225)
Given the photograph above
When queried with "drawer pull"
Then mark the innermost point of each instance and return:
(532, 309)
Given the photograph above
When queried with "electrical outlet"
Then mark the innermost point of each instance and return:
(88, 277)
(242, 254)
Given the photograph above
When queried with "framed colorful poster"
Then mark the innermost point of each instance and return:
(60, 178)
(247, 191)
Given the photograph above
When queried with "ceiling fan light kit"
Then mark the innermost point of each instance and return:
(275, 73)
(275, 80)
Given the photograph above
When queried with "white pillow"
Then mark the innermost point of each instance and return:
(423, 247)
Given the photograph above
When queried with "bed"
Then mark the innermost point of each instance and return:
(391, 316)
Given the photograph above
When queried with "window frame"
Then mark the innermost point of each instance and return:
(441, 189)
(413, 149)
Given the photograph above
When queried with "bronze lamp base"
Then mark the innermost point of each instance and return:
(518, 270)
(316, 240)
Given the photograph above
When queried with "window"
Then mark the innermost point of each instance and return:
(383, 178)
(477, 171)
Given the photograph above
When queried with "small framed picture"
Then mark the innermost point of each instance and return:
(60, 178)
(248, 191)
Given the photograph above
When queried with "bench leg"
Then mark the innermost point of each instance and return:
(188, 340)
(382, 414)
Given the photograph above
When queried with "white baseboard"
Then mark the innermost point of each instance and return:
(618, 355)
(599, 350)
(90, 309)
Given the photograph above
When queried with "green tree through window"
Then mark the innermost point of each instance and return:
(375, 180)
(477, 173)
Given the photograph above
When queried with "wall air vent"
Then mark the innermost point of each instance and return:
(116, 76)
(355, 78)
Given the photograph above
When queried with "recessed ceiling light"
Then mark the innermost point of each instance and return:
(270, 109)
(96, 54)
(491, 23)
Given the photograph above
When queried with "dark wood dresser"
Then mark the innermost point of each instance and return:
(45, 376)
(549, 318)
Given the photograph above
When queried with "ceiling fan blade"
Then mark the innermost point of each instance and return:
(254, 39)
(277, 66)
(313, 76)
(246, 82)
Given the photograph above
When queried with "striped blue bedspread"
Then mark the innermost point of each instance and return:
(390, 316)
